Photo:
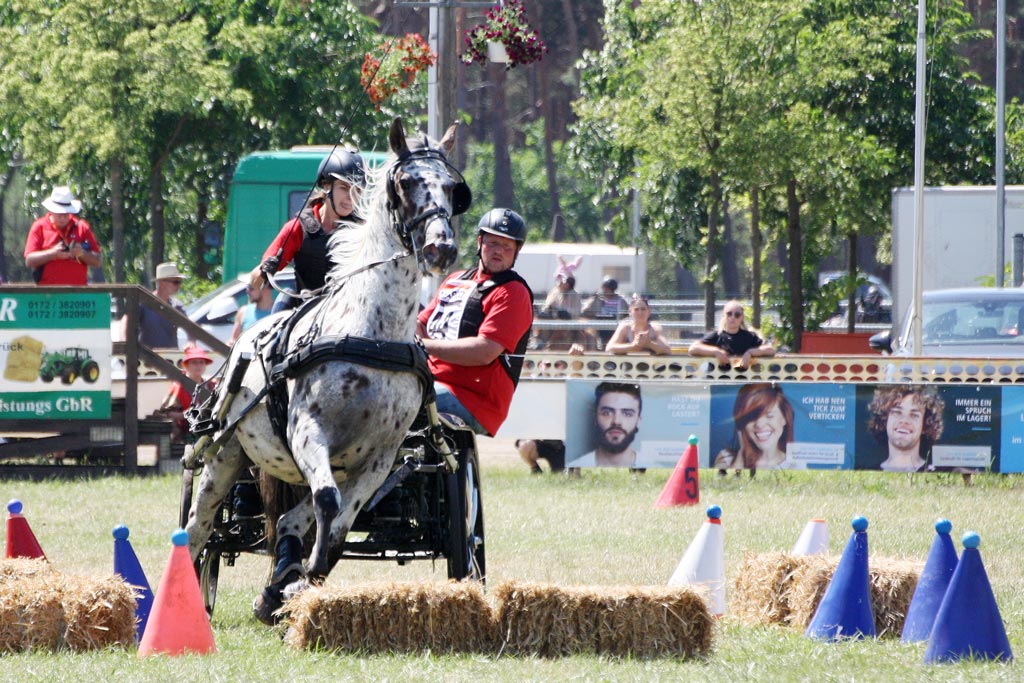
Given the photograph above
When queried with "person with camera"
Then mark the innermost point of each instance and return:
(61, 247)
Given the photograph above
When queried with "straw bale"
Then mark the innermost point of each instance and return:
(633, 621)
(762, 590)
(31, 616)
(778, 588)
(99, 613)
(392, 617)
(51, 611)
(18, 568)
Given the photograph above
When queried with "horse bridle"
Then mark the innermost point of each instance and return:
(462, 196)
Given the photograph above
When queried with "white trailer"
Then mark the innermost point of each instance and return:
(538, 262)
(960, 240)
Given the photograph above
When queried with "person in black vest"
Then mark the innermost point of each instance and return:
(477, 326)
(339, 182)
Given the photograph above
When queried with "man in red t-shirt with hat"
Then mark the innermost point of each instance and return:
(61, 246)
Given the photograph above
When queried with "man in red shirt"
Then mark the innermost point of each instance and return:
(61, 246)
(477, 326)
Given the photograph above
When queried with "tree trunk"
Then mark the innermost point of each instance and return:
(730, 271)
(199, 243)
(557, 223)
(712, 252)
(5, 182)
(795, 261)
(504, 192)
(572, 38)
(851, 269)
(117, 216)
(156, 213)
(756, 245)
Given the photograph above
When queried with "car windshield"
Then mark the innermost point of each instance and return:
(972, 322)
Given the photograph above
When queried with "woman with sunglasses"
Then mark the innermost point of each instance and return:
(732, 339)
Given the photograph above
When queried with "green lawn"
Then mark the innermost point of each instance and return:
(598, 529)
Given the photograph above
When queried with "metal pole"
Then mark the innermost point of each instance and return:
(1018, 259)
(920, 123)
(1000, 141)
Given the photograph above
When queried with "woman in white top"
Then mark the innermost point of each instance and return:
(638, 333)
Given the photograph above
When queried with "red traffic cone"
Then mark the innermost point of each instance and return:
(178, 623)
(683, 487)
(703, 563)
(21, 542)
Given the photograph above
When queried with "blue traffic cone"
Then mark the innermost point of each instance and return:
(968, 624)
(845, 611)
(127, 566)
(931, 587)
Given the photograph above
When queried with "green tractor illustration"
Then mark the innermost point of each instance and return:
(69, 365)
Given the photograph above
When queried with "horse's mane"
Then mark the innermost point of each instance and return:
(347, 243)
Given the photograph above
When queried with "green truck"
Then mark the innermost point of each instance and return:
(267, 189)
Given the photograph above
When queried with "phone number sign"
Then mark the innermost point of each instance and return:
(55, 353)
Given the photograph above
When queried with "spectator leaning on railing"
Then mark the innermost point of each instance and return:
(732, 342)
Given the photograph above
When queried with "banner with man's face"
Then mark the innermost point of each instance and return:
(793, 425)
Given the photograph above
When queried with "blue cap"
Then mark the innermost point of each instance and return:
(14, 507)
(971, 539)
(121, 532)
(714, 512)
(860, 523)
(179, 537)
(943, 525)
(692, 440)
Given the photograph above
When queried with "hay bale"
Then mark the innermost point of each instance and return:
(762, 590)
(633, 621)
(31, 616)
(22, 567)
(49, 611)
(99, 613)
(392, 617)
(778, 588)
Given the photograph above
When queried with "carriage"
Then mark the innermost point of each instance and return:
(335, 402)
(426, 510)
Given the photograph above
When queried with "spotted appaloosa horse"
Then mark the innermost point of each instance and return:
(345, 420)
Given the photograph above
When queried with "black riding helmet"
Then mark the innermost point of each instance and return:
(343, 165)
(505, 223)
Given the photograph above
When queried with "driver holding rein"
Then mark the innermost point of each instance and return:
(340, 180)
(477, 326)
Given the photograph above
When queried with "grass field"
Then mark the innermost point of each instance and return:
(597, 529)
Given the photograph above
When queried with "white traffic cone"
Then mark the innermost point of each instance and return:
(813, 540)
(703, 563)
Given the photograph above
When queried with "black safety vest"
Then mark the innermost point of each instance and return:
(311, 260)
(472, 316)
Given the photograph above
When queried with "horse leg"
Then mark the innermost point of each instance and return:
(315, 464)
(288, 569)
(218, 476)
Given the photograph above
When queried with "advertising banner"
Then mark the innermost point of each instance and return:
(55, 353)
(793, 425)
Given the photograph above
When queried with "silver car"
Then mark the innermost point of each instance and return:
(977, 322)
(216, 310)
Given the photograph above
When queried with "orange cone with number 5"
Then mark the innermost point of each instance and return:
(683, 487)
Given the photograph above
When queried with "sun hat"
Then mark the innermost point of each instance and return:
(168, 271)
(196, 353)
(62, 201)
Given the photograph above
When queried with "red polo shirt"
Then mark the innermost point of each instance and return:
(44, 235)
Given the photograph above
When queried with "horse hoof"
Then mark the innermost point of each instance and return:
(294, 588)
(267, 605)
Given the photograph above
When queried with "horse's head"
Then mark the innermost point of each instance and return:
(424, 192)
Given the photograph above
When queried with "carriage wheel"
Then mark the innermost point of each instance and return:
(208, 571)
(466, 558)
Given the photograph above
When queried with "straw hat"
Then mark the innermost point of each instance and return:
(168, 271)
(62, 201)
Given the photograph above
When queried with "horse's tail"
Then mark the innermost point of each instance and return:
(278, 498)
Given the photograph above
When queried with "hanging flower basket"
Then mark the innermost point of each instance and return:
(505, 23)
(393, 66)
